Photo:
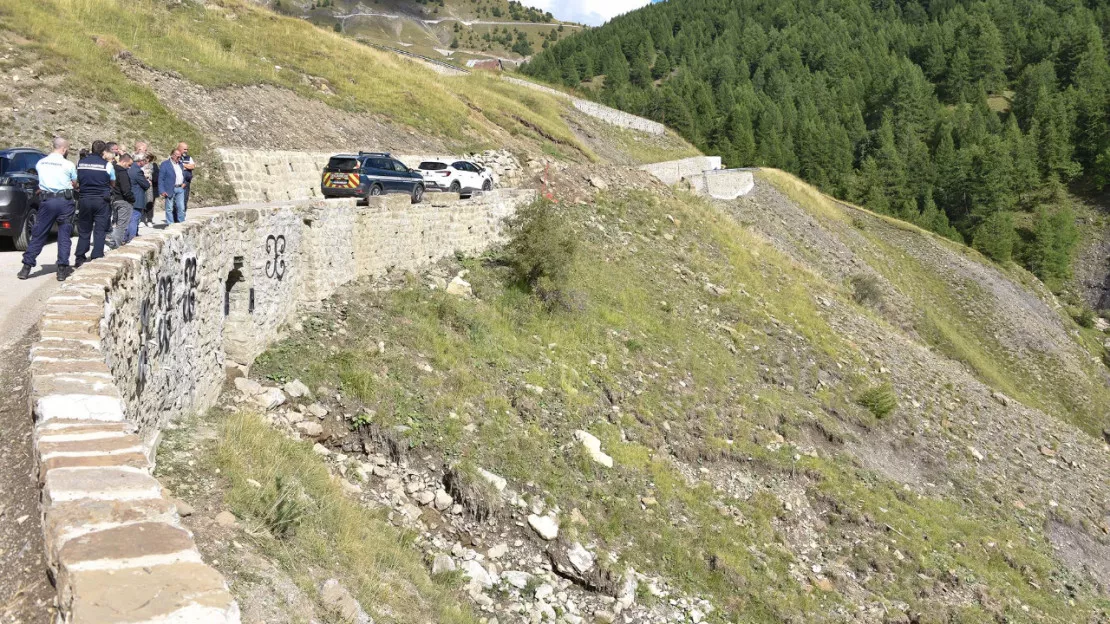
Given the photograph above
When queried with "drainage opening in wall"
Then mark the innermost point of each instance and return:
(236, 296)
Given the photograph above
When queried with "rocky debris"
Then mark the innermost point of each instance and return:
(339, 601)
(226, 519)
(546, 527)
(460, 288)
(497, 482)
(296, 389)
(310, 429)
(593, 447)
(443, 564)
(317, 410)
(507, 171)
(598, 183)
(477, 574)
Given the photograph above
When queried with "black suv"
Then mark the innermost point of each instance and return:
(368, 174)
(19, 189)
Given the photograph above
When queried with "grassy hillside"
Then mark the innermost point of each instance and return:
(806, 453)
(231, 43)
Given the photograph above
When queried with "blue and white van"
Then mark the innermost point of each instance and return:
(369, 174)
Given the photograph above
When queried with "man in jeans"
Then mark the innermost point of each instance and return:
(123, 201)
(188, 165)
(96, 175)
(171, 187)
(57, 179)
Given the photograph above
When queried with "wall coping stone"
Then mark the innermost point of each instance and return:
(113, 537)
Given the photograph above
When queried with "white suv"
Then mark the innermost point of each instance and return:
(460, 176)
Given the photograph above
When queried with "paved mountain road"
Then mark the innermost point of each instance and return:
(25, 591)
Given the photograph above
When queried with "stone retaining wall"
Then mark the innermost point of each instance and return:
(599, 111)
(275, 175)
(673, 171)
(149, 333)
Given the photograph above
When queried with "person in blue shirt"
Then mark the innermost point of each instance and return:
(57, 179)
(95, 175)
(171, 187)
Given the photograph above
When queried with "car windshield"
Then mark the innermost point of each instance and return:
(432, 166)
(340, 163)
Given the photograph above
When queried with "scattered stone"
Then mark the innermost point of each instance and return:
(248, 386)
(1048, 451)
(338, 600)
(598, 183)
(975, 453)
(460, 288)
(310, 429)
(269, 398)
(497, 482)
(424, 497)
(516, 578)
(443, 564)
(226, 519)
(317, 410)
(580, 558)
(183, 509)
(593, 447)
(443, 500)
(497, 551)
(320, 450)
(546, 527)
(477, 574)
(296, 389)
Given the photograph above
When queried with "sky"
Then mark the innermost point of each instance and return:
(592, 12)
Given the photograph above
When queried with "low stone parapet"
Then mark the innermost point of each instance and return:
(150, 332)
(673, 171)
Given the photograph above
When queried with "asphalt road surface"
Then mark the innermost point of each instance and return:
(25, 591)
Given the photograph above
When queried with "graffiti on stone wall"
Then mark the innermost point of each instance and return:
(275, 251)
(189, 299)
(165, 313)
(144, 339)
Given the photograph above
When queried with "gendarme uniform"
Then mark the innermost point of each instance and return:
(56, 177)
(95, 175)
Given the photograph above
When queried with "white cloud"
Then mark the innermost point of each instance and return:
(590, 12)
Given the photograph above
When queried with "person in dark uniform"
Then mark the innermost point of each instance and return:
(95, 175)
(57, 179)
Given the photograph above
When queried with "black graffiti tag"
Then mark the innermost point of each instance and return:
(275, 267)
(165, 306)
(189, 299)
(144, 337)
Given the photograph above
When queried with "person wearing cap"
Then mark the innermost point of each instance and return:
(57, 179)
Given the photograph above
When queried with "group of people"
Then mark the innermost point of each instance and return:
(115, 192)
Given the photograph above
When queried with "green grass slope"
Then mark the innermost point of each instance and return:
(718, 371)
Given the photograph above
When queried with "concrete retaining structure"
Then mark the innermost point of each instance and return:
(723, 183)
(149, 333)
(673, 171)
(599, 111)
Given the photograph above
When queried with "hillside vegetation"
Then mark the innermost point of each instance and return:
(949, 114)
(809, 419)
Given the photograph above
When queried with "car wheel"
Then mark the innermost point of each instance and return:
(418, 194)
(455, 187)
(375, 190)
(487, 185)
(24, 237)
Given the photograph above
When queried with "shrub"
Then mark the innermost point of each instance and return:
(879, 400)
(1085, 317)
(866, 289)
(1054, 239)
(283, 507)
(994, 237)
(541, 249)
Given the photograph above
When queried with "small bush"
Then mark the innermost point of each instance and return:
(283, 507)
(866, 290)
(879, 400)
(1085, 317)
(541, 250)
